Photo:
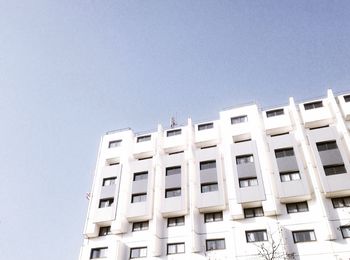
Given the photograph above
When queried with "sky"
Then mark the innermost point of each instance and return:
(71, 70)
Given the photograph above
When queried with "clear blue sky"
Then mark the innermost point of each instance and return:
(71, 70)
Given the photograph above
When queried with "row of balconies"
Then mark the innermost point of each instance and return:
(238, 123)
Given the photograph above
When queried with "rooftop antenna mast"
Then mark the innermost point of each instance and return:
(173, 122)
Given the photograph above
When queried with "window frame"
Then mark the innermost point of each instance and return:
(142, 195)
(311, 231)
(109, 204)
(256, 234)
(140, 226)
(213, 186)
(347, 227)
(275, 112)
(334, 169)
(313, 105)
(290, 174)
(176, 248)
(213, 217)
(216, 240)
(114, 143)
(205, 126)
(178, 221)
(239, 119)
(100, 251)
(109, 181)
(250, 179)
(169, 170)
(206, 165)
(346, 98)
(255, 213)
(343, 200)
(171, 191)
(244, 159)
(104, 231)
(139, 250)
(284, 152)
(136, 176)
(143, 138)
(327, 145)
(173, 132)
(299, 206)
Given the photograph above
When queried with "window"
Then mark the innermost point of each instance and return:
(104, 203)
(290, 176)
(297, 207)
(115, 143)
(253, 212)
(239, 119)
(173, 170)
(109, 181)
(285, 152)
(169, 193)
(208, 147)
(345, 231)
(104, 231)
(313, 105)
(98, 252)
(177, 221)
(256, 235)
(347, 98)
(139, 226)
(176, 152)
(144, 138)
(273, 113)
(205, 126)
(213, 217)
(244, 159)
(208, 187)
(173, 132)
(241, 141)
(334, 169)
(324, 146)
(145, 158)
(342, 202)
(138, 197)
(247, 182)
(175, 248)
(304, 236)
(138, 252)
(215, 244)
(207, 165)
(140, 176)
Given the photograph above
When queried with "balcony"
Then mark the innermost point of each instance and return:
(316, 114)
(175, 139)
(344, 103)
(206, 134)
(277, 121)
(144, 145)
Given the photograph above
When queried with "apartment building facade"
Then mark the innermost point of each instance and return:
(228, 188)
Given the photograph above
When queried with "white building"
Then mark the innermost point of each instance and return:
(221, 189)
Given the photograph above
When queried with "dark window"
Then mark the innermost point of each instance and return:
(140, 176)
(244, 159)
(176, 248)
(290, 176)
(104, 203)
(286, 133)
(138, 252)
(209, 187)
(139, 226)
(207, 165)
(143, 138)
(207, 147)
(173, 132)
(342, 202)
(285, 152)
(213, 217)
(247, 182)
(215, 244)
(173, 170)
(169, 193)
(297, 207)
(138, 197)
(273, 113)
(304, 236)
(113, 144)
(253, 212)
(98, 252)
(109, 181)
(145, 158)
(324, 146)
(241, 141)
(334, 169)
(205, 126)
(256, 235)
(313, 105)
(347, 98)
(177, 221)
(345, 231)
(239, 119)
(104, 231)
(176, 152)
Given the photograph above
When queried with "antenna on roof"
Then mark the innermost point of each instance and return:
(173, 122)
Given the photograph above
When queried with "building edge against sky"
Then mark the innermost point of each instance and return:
(222, 188)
